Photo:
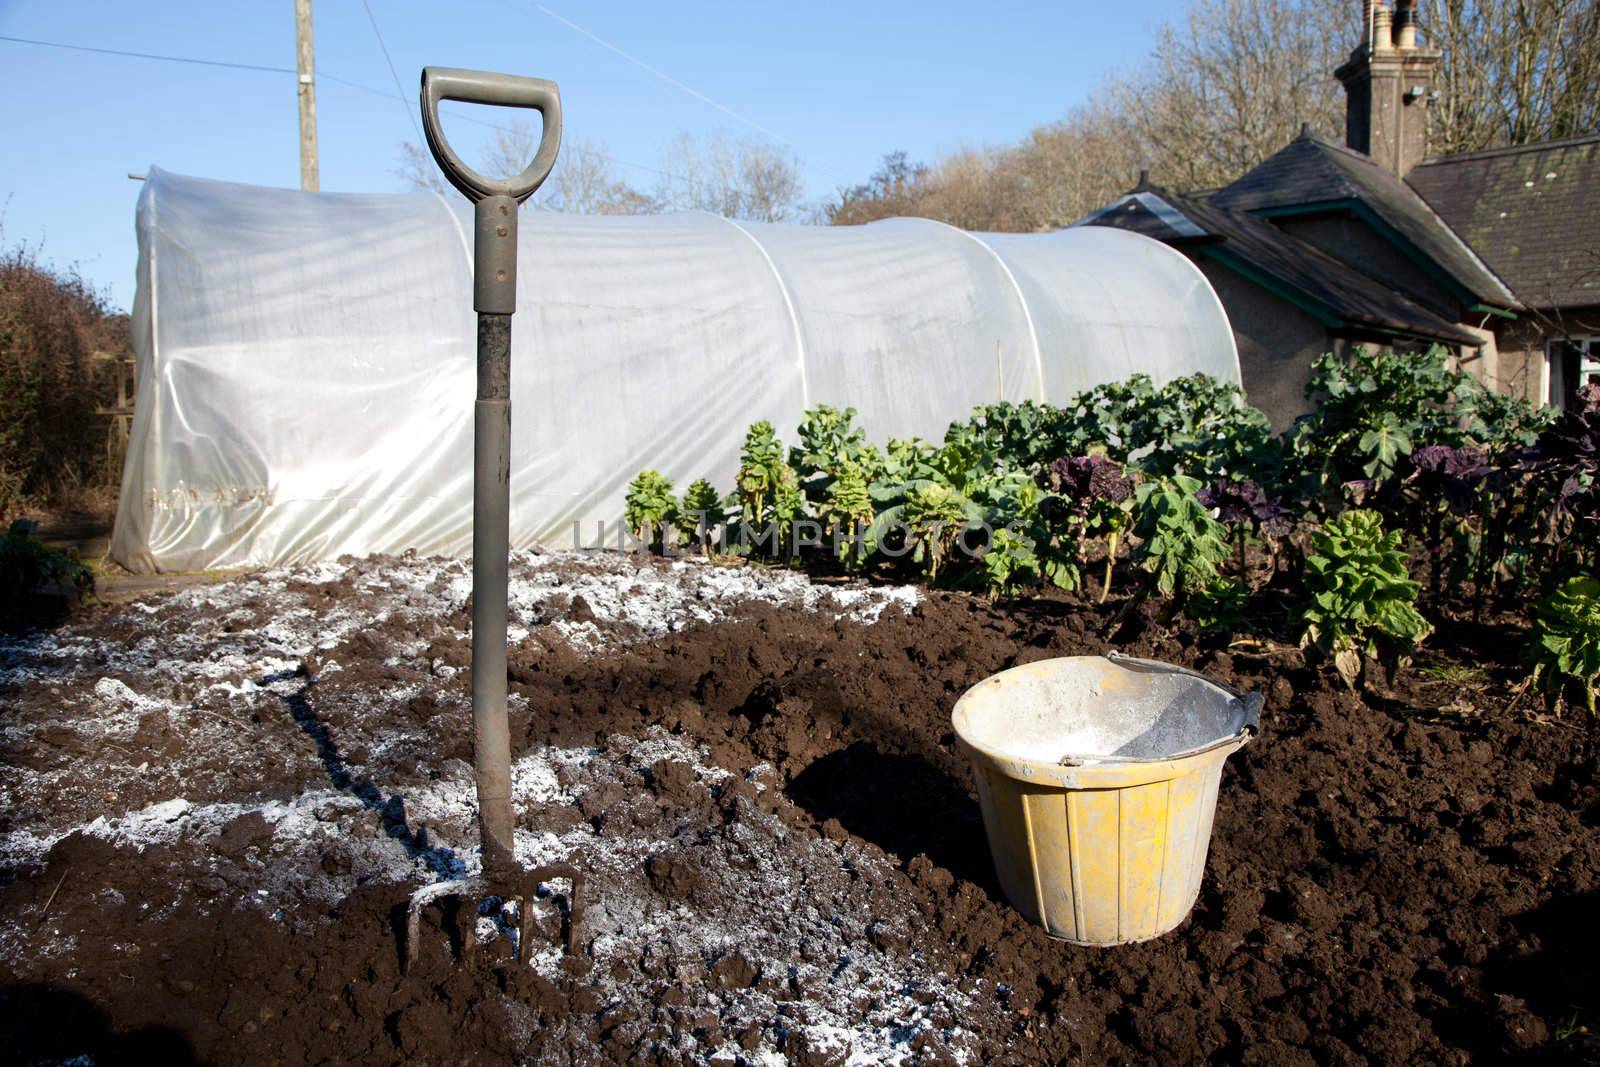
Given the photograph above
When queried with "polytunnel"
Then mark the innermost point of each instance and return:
(306, 360)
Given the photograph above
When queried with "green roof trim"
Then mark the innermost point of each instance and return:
(1490, 309)
(1320, 207)
(1413, 253)
(1362, 210)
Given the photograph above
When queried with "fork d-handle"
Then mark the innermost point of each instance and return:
(494, 297)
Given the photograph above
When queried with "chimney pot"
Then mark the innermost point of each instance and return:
(1405, 25)
(1382, 29)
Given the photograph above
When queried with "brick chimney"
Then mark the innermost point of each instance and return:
(1389, 87)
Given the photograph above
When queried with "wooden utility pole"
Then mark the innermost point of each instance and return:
(306, 67)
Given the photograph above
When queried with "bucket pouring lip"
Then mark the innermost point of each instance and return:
(1088, 770)
(1250, 704)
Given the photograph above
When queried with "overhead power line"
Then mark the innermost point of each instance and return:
(670, 80)
(399, 89)
(321, 75)
(196, 61)
(149, 55)
(663, 75)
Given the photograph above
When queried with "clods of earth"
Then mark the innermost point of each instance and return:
(219, 801)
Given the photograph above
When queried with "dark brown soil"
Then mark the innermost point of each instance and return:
(1404, 877)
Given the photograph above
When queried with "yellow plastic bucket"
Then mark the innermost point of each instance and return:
(1098, 780)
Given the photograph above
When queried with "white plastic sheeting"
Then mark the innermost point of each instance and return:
(306, 360)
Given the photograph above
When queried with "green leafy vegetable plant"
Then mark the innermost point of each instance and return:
(1362, 599)
(1092, 496)
(1566, 639)
(1181, 543)
(769, 495)
(1218, 606)
(848, 512)
(1376, 406)
(650, 507)
(934, 515)
(703, 507)
(829, 438)
(1009, 563)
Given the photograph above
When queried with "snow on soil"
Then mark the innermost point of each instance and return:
(193, 665)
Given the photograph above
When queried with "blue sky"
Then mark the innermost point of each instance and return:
(839, 84)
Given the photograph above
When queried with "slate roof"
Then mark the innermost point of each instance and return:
(1310, 170)
(1340, 292)
(1532, 212)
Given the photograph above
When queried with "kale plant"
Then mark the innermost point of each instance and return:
(934, 516)
(1091, 497)
(1009, 563)
(1562, 478)
(1375, 406)
(829, 438)
(1361, 598)
(1218, 606)
(1207, 430)
(1440, 488)
(769, 495)
(1023, 436)
(848, 511)
(1566, 640)
(1181, 544)
(1194, 425)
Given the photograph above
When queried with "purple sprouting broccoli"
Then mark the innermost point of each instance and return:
(1086, 479)
(1573, 440)
(1243, 506)
(1096, 494)
(1561, 475)
(1245, 503)
(1436, 481)
(1442, 474)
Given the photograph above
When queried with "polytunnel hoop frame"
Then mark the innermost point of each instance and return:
(1016, 287)
(788, 304)
(466, 246)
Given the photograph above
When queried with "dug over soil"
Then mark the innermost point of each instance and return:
(788, 864)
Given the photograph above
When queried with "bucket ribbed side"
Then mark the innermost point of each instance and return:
(1102, 866)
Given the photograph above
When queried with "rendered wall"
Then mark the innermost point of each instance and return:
(1276, 342)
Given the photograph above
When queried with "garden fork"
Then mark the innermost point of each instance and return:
(494, 298)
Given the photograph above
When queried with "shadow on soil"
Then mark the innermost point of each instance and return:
(48, 1024)
(443, 862)
(904, 805)
(1557, 975)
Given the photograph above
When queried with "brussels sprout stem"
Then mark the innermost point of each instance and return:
(1111, 561)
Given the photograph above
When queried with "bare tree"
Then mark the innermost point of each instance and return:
(418, 170)
(895, 188)
(1069, 168)
(738, 179)
(1514, 71)
(583, 182)
(1233, 83)
(1058, 174)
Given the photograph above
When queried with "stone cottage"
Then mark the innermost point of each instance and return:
(1495, 254)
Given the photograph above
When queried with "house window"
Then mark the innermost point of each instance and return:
(1571, 363)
